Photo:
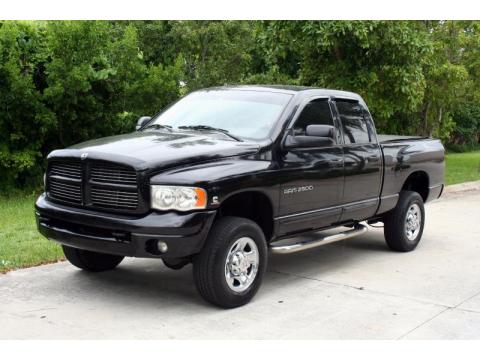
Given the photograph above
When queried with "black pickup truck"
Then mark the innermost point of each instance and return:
(226, 175)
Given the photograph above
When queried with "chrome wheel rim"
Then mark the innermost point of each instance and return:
(413, 221)
(241, 266)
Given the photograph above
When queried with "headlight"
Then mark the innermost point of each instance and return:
(180, 198)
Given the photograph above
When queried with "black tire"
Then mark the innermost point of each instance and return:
(394, 230)
(209, 266)
(90, 260)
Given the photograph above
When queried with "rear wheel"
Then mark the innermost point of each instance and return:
(90, 260)
(230, 268)
(404, 224)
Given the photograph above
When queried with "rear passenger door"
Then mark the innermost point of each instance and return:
(362, 161)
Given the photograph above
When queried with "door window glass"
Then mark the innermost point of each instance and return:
(355, 129)
(316, 112)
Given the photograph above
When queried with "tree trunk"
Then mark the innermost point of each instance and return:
(425, 118)
(440, 113)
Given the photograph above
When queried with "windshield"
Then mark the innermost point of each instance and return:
(243, 113)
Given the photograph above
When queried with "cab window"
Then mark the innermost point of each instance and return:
(316, 112)
(354, 125)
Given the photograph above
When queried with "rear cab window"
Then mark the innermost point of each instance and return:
(356, 123)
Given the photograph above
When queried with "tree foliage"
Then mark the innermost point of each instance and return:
(62, 82)
(24, 118)
(67, 81)
(382, 60)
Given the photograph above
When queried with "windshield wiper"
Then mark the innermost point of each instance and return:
(209, 128)
(158, 126)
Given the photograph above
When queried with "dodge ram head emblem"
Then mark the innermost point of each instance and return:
(83, 156)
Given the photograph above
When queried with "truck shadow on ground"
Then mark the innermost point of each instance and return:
(148, 283)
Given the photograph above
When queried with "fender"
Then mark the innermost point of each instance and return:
(227, 177)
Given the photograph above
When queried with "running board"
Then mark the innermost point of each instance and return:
(304, 245)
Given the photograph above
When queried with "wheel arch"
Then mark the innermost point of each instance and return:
(251, 204)
(419, 182)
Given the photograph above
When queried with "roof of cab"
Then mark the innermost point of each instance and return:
(291, 89)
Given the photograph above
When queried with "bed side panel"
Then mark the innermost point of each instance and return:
(402, 159)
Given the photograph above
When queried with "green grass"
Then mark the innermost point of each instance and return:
(20, 243)
(462, 167)
(22, 246)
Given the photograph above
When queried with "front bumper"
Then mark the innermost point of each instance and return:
(184, 233)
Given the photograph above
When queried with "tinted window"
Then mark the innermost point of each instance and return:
(316, 112)
(370, 127)
(355, 128)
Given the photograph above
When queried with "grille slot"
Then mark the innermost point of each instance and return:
(113, 174)
(71, 193)
(114, 199)
(67, 169)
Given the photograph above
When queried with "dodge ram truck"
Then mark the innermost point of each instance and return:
(227, 175)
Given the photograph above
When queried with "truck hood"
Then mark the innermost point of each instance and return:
(154, 150)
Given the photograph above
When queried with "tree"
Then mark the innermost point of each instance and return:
(447, 78)
(99, 84)
(24, 119)
(67, 81)
(214, 52)
(381, 60)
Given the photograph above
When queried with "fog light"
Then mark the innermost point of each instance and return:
(162, 247)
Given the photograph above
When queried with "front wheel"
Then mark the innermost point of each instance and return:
(90, 260)
(404, 224)
(229, 269)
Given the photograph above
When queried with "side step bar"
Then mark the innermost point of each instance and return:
(304, 245)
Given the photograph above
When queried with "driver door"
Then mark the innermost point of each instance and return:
(312, 178)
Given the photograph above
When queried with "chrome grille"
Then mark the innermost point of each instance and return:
(113, 174)
(116, 199)
(70, 170)
(68, 192)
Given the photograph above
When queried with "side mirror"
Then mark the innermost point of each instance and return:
(321, 131)
(315, 136)
(142, 121)
(303, 141)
